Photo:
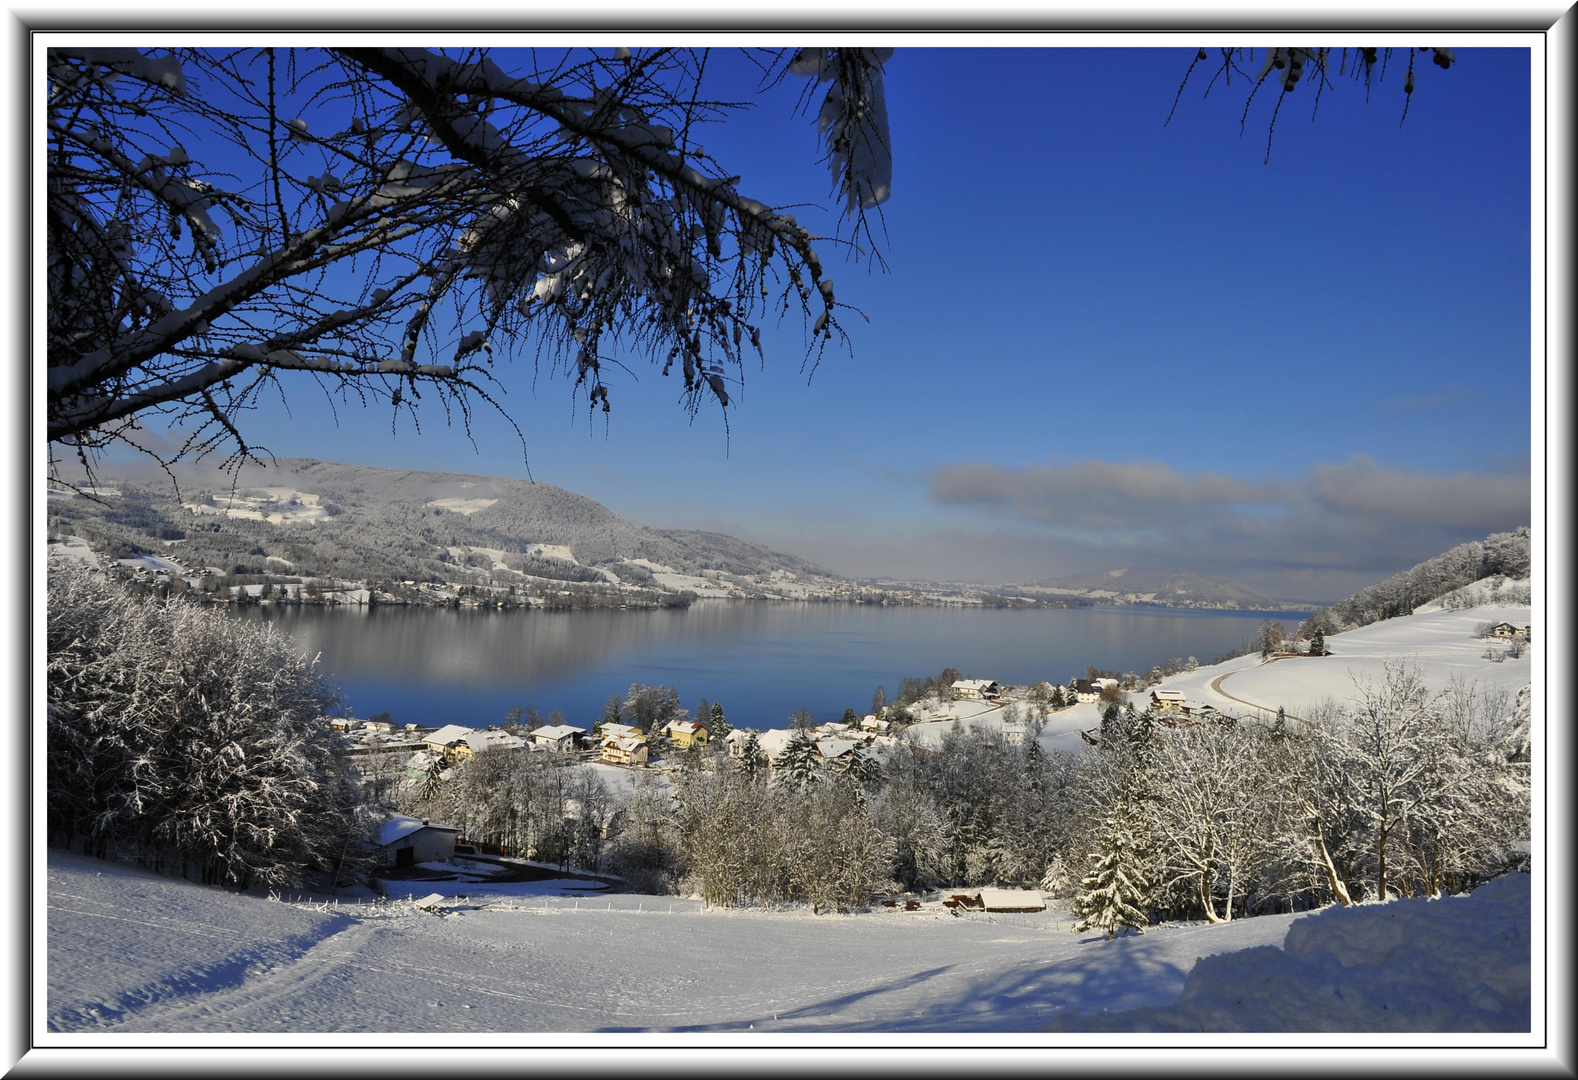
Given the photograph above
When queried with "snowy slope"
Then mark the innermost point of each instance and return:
(129, 952)
(1441, 643)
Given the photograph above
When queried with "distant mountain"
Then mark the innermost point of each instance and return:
(1127, 585)
(321, 519)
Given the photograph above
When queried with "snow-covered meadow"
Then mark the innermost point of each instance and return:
(129, 952)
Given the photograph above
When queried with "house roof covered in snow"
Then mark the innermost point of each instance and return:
(397, 828)
(555, 732)
(773, 742)
(1012, 900)
(832, 749)
(493, 740)
(448, 735)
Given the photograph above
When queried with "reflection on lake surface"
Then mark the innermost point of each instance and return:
(761, 660)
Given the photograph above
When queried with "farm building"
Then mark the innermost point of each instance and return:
(406, 841)
(1011, 900)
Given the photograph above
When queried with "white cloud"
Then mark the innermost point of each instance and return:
(1336, 524)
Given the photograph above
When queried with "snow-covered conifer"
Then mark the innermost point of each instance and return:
(1115, 893)
(796, 765)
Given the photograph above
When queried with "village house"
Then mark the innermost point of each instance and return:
(1014, 733)
(1085, 691)
(558, 738)
(837, 754)
(1507, 631)
(977, 689)
(735, 742)
(475, 742)
(773, 742)
(871, 723)
(1163, 701)
(686, 733)
(406, 841)
(621, 731)
(624, 750)
(445, 740)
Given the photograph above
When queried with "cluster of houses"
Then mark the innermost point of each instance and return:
(615, 744)
(1171, 707)
(837, 746)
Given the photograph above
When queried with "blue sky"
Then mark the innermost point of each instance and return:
(1102, 341)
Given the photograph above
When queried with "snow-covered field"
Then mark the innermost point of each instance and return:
(1442, 644)
(132, 952)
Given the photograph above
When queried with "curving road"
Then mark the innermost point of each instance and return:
(1216, 687)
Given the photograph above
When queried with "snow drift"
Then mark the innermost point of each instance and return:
(1456, 964)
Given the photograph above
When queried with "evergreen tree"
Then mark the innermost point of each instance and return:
(432, 779)
(1115, 893)
(1318, 642)
(796, 767)
(719, 726)
(751, 754)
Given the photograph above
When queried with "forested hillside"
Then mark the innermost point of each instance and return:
(1498, 555)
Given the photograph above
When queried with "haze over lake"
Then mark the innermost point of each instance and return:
(760, 660)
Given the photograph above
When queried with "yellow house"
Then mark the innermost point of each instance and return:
(686, 733)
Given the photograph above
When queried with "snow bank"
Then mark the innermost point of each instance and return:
(1458, 964)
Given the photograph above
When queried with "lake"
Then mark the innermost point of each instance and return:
(761, 660)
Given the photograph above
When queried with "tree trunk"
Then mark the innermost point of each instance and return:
(1380, 865)
(1205, 899)
(1338, 889)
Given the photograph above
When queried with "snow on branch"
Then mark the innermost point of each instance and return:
(385, 208)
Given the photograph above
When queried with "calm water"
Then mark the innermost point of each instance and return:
(761, 660)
